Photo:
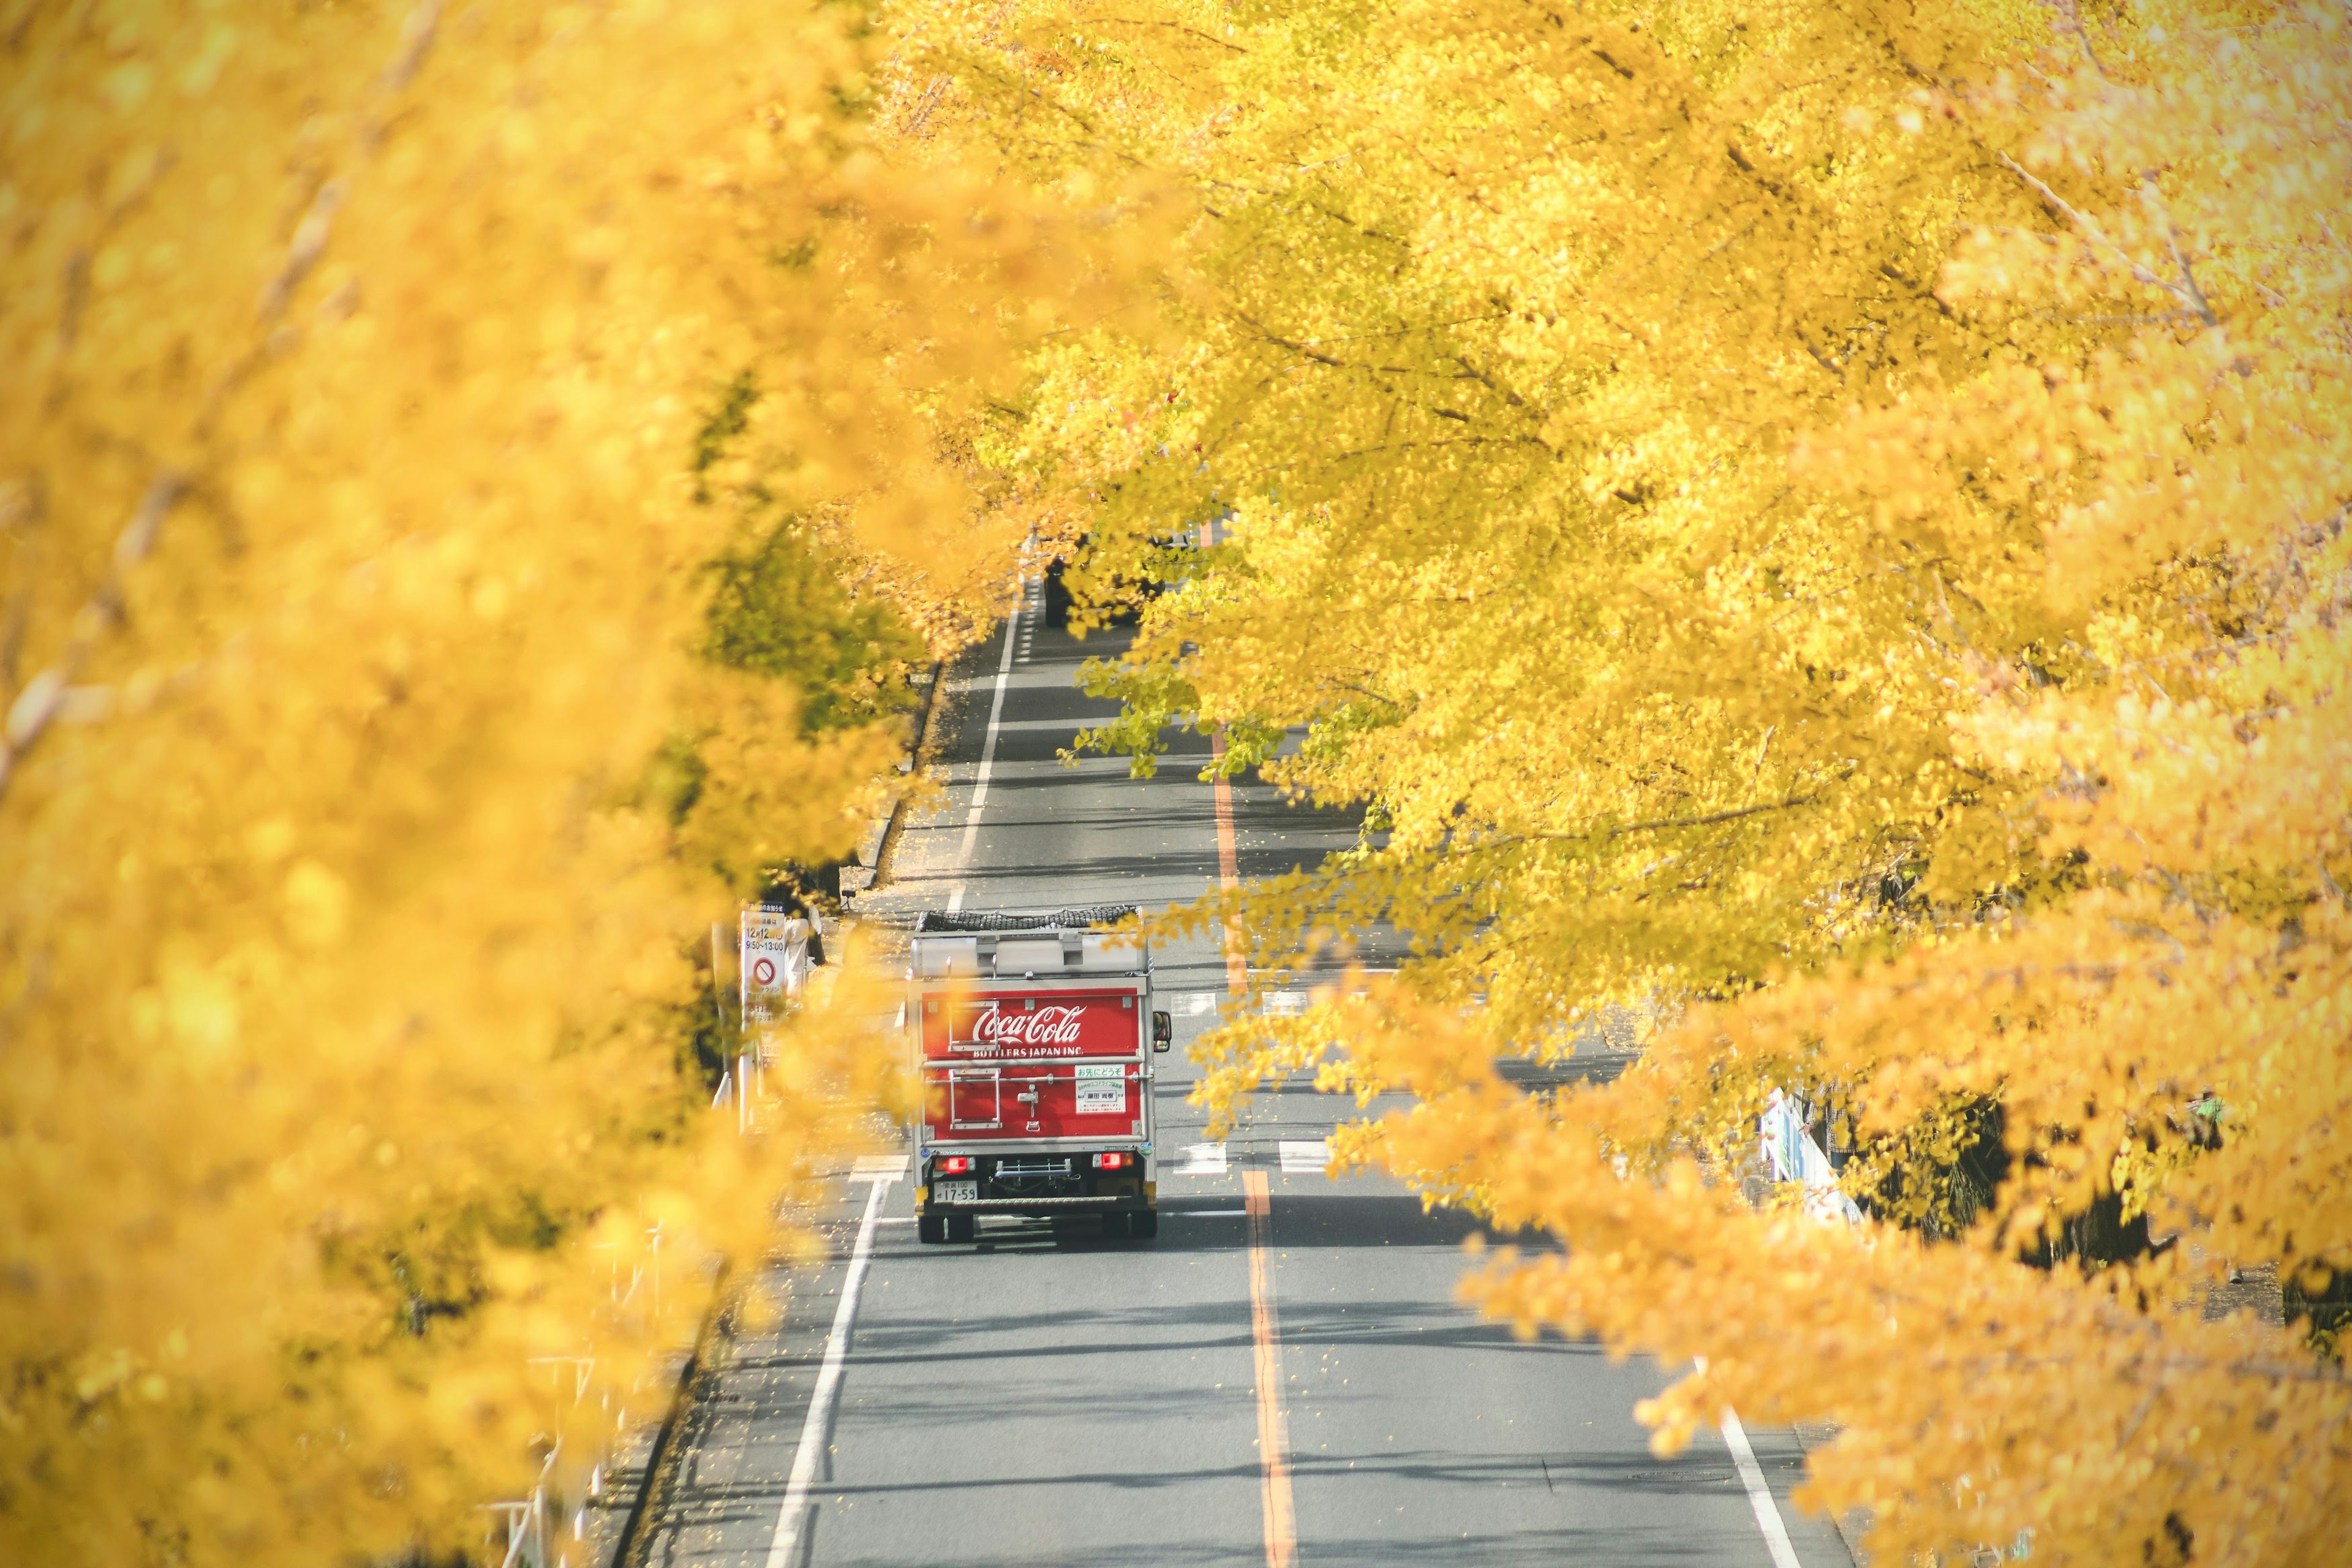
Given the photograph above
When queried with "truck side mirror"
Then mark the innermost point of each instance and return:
(1164, 1031)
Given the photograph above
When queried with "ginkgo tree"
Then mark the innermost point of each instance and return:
(1825, 526)
(383, 385)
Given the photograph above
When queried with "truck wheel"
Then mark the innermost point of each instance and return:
(1143, 1225)
(931, 1227)
(963, 1226)
(1113, 1225)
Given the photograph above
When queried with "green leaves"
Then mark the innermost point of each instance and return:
(1152, 698)
(778, 609)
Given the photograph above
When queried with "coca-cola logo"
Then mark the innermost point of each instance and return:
(994, 1026)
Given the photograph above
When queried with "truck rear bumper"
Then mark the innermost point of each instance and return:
(1039, 1207)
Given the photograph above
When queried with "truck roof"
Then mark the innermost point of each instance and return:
(1003, 945)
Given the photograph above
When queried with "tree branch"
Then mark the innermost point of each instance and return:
(2190, 297)
(37, 704)
(1176, 26)
(1709, 820)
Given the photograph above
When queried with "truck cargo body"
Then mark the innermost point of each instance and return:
(1033, 1035)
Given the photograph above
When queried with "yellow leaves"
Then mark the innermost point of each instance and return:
(126, 86)
(334, 923)
(1817, 559)
(196, 1010)
(220, 40)
(318, 905)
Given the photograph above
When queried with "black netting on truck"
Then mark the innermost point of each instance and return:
(999, 920)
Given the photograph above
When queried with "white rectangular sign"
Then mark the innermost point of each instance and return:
(1102, 1089)
(774, 961)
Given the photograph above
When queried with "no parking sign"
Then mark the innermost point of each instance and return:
(774, 959)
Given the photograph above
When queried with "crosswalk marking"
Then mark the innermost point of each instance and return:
(1306, 1154)
(1203, 1004)
(1203, 1160)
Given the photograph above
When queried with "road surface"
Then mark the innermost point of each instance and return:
(1048, 1398)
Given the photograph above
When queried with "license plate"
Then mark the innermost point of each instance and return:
(955, 1192)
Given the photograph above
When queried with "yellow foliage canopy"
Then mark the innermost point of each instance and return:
(350, 582)
(1824, 526)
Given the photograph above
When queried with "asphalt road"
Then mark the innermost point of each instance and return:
(1050, 1398)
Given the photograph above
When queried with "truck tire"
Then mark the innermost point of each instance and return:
(963, 1226)
(931, 1227)
(1143, 1225)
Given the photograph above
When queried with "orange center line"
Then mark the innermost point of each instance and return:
(1265, 1328)
(1273, 1425)
(1228, 870)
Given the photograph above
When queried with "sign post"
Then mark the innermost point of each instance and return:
(773, 964)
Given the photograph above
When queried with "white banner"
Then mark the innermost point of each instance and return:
(1795, 1157)
(773, 962)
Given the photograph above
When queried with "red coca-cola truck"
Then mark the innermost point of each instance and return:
(1033, 1034)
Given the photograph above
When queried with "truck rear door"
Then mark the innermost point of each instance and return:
(1034, 1061)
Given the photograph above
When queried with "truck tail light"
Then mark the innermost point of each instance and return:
(955, 1165)
(1114, 1162)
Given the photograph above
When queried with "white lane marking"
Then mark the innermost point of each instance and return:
(987, 744)
(1193, 1004)
(794, 1511)
(896, 1219)
(1287, 1003)
(1203, 1160)
(1306, 1154)
(1760, 1492)
(1204, 1214)
(879, 1168)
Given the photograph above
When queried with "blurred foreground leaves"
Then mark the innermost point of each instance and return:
(368, 790)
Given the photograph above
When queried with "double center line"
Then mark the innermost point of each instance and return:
(1265, 1340)
(1228, 870)
(1265, 1326)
